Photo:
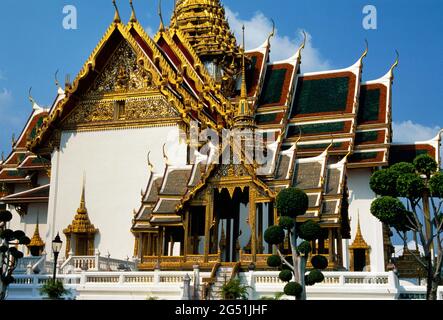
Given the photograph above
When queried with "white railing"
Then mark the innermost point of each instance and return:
(169, 285)
(94, 263)
(23, 263)
(333, 278)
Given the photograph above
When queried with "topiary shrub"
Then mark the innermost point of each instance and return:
(315, 276)
(285, 275)
(293, 289)
(425, 164)
(387, 209)
(402, 168)
(410, 186)
(436, 185)
(292, 202)
(274, 261)
(5, 216)
(304, 248)
(319, 262)
(286, 223)
(310, 230)
(274, 235)
(234, 290)
(384, 183)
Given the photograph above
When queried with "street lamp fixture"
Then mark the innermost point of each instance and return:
(56, 248)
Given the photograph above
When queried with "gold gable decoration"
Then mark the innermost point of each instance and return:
(122, 74)
(81, 223)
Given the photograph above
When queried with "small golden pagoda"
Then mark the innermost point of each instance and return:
(359, 252)
(36, 246)
(81, 231)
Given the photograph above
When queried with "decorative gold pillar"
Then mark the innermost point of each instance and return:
(186, 233)
(208, 221)
(252, 223)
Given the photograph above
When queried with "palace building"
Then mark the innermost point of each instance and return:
(112, 168)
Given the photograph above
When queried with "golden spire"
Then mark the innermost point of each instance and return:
(359, 241)
(133, 16)
(117, 14)
(36, 240)
(244, 91)
(165, 156)
(82, 208)
(81, 222)
(205, 26)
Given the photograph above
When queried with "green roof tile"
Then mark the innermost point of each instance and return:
(317, 128)
(321, 95)
(273, 87)
(369, 107)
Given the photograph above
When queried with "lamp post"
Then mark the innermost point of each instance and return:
(56, 247)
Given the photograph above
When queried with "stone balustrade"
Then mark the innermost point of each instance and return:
(169, 285)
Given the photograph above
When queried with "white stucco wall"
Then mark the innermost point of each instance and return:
(115, 165)
(361, 197)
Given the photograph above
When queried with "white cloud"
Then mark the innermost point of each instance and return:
(410, 132)
(283, 47)
(150, 31)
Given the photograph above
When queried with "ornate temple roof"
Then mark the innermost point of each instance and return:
(205, 26)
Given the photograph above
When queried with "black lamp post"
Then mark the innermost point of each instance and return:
(56, 247)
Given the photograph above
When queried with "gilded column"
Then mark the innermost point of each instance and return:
(208, 221)
(252, 223)
(186, 233)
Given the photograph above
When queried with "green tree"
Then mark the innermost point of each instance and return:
(9, 240)
(421, 184)
(290, 204)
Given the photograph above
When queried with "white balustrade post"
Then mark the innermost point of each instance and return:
(196, 294)
(121, 278)
(83, 278)
(156, 275)
(251, 283)
(29, 268)
(35, 291)
(341, 280)
(97, 260)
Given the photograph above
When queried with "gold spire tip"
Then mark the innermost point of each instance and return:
(133, 16)
(117, 14)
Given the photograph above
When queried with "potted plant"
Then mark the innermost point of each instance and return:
(54, 290)
(234, 290)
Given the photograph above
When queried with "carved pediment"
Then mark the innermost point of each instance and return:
(148, 109)
(122, 73)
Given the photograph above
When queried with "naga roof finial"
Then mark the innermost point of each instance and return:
(117, 14)
(272, 34)
(165, 156)
(395, 65)
(162, 24)
(150, 165)
(366, 50)
(133, 16)
(35, 106)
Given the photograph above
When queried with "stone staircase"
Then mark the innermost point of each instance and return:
(223, 276)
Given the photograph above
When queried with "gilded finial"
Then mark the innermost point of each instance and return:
(117, 14)
(272, 34)
(391, 71)
(165, 156)
(150, 165)
(13, 140)
(57, 84)
(3, 156)
(133, 16)
(162, 24)
(82, 208)
(244, 92)
(175, 14)
(305, 37)
(35, 106)
(366, 50)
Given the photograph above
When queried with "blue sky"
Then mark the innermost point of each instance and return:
(35, 45)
